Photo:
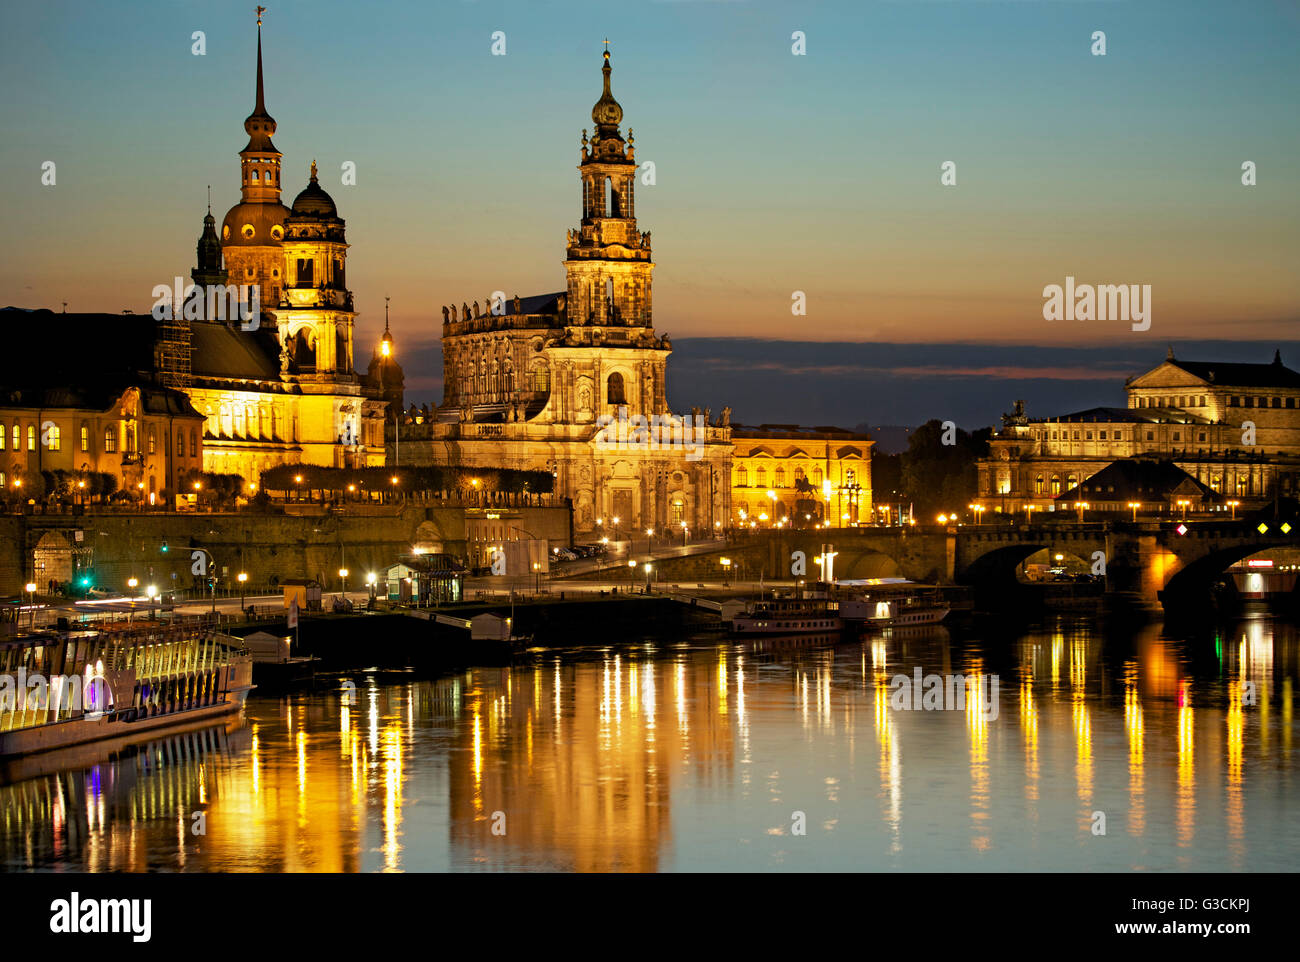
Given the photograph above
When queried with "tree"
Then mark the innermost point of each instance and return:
(938, 477)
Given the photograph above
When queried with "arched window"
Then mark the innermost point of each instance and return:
(1056, 484)
(611, 199)
(194, 444)
(799, 474)
(180, 444)
(3, 437)
(153, 440)
(110, 440)
(817, 477)
(1038, 484)
(15, 436)
(54, 438)
(742, 476)
(614, 389)
(31, 437)
(85, 438)
(779, 480)
(1070, 484)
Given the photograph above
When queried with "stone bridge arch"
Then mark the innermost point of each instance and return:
(1190, 585)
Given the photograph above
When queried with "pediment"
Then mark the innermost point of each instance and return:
(1167, 374)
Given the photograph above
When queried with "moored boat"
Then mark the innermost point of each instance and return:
(891, 603)
(787, 616)
(62, 688)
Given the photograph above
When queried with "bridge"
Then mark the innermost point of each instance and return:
(1167, 563)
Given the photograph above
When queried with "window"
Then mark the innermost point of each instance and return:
(1178, 435)
(153, 441)
(1038, 485)
(850, 476)
(742, 477)
(1056, 484)
(780, 477)
(1103, 436)
(53, 438)
(3, 436)
(817, 477)
(1277, 402)
(1151, 435)
(16, 444)
(1290, 402)
(31, 437)
(614, 389)
(1200, 436)
(85, 438)
(110, 440)
(194, 444)
(1088, 435)
(1076, 435)
(762, 476)
(180, 444)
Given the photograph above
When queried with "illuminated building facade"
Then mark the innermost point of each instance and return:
(285, 391)
(806, 476)
(1234, 428)
(574, 382)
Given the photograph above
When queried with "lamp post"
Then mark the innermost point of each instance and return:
(537, 575)
(648, 566)
(1135, 505)
(726, 571)
(243, 583)
(649, 541)
(343, 576)
(1182, 503)
(1081, 506)
(977, 511)
(685, 533)
(31, 603)
(370, 581)
(151, 593)
(615, 520)
(631, 573)
(1233, 506)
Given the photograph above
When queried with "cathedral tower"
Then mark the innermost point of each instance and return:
(608, 264)
(253, 228)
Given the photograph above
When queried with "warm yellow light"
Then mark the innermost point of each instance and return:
(474, 481)
(132, 582)
(650, 531)
(297, 479)
(242, 576)
(631, 564)
(393, 479)
(385, 347)
(81, 484)
(647, 567)
(31, 588)
(198, 485)
(343, 572)
(352, 487)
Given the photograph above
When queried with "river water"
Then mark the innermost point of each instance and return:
(1077, 747)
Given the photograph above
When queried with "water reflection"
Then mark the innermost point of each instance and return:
(703, 755)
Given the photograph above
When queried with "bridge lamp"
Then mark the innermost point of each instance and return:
(1233, 506)
(943, 519)
(1059, 556)
(1135, 505)
(1183, 503)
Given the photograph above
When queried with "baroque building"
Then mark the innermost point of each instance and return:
(1233, 428)
(280, 386)
(810, 476)
(573, 382)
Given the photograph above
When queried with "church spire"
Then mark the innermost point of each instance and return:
(260, 109)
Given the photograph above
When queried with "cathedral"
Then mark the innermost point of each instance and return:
(573, 382)
(281, 386)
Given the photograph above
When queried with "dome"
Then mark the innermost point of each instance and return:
(314, 202)
(607, 113)
(254, 225)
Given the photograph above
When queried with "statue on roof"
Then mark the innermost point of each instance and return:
(444, 313)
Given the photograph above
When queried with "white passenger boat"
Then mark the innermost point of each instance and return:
(787, 616)
(891, 603)
(70, 687)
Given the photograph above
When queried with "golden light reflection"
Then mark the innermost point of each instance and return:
(890, 768)
(1185, 801)
(1236, 732)
(1081, 716)
(1134, 726)
(977, 710)
(1029, 731)
(392, 774)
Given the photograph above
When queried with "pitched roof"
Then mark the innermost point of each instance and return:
(1138, 480)
(1276, 374)
(1125, 416)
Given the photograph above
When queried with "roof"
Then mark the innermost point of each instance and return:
(794, 432)
(224, 352)
(1276, 374)
(1139, 480)
(1125, 415)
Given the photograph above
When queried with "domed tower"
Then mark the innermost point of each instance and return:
(315, 321)
(608, 263)
(208, 269)
(253, 229)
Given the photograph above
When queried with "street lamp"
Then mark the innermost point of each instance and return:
(31, 596)
(370, 580)
(243, 582)
(1233, 506)
(726, 571)
(648, 566)
(1081, 506)
(1183, 503)
(151, 592)
(343, 576)
(615, 520)
(649, 536)
(1135, 505)
(631, 572)
(978, 510)
(537, 575)
(685, 532)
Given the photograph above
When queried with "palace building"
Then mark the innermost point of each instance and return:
(1233, 428)
(810, 476)
(285, 391)
(573, 382)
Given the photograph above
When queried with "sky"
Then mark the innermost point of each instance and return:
(775, 173)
